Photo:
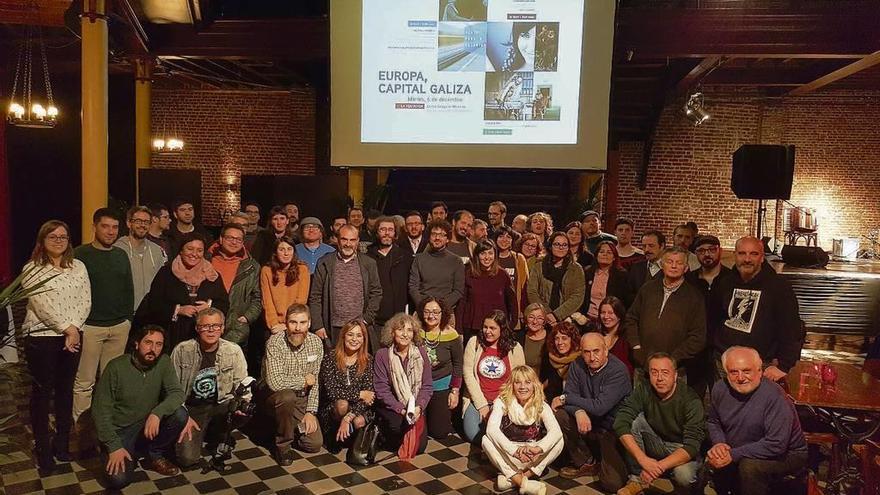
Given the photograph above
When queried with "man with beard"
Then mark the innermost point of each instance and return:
(336, 223)
(105, 332)
(144, 256)
(437, 272)
(439, 211)
(591, 228)
(415, 241)
(292, 211)
(668, 314)
(160, 222)
(209, 369)
(393, 264)
(345, 286)
(290, 373)
(184, 223)
(755, 431)
(757, 308)
(653, 242)
(629, 254)
(497, 215)
(264, 244)
(312, 248)
(707, 278)
(138, 409)
(460, 243)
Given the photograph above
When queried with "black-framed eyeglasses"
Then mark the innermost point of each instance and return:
(213, 327)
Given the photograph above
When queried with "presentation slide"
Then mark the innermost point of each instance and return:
(471, 71)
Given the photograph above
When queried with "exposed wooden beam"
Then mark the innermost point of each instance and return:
(696, 74)
(869, 61)
(141, 40)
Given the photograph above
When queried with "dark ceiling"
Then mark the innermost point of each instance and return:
(663, 49)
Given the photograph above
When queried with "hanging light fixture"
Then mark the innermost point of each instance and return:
(167, 144)
(25, 110)
(695, 109)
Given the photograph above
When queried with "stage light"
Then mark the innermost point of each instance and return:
(695, 110)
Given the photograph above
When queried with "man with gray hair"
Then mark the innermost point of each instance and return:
(755, 431)
(668, 314)
(209, 369)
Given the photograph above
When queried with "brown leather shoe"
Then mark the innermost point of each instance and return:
(164, 467)
(586, 469)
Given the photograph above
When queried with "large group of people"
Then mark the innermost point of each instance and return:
(536, 345)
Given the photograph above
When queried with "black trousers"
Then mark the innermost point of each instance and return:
(393, 426)
(52, 370)
(756, 476)
(438, 417)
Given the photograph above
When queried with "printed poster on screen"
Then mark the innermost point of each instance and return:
(471, 71)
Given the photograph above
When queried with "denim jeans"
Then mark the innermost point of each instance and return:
(137, 445)
(649, 441)
(474, 427)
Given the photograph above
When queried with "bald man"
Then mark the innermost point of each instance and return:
(755, 432)
(757, 308)
(596, 384)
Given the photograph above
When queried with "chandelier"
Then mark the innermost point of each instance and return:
(26, 110)
(167, 144)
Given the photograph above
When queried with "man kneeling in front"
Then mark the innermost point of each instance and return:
(130, 418)
(661, 426)
(755, 431)
(210, 369)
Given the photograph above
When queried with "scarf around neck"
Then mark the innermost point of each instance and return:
(562, 363)
(406, 383)
(194, 276)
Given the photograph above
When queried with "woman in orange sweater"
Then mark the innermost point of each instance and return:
(284, 281)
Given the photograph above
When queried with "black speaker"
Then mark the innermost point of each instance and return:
(804, 256)
(762, 171)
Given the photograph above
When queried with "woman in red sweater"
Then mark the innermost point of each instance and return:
(487, 287)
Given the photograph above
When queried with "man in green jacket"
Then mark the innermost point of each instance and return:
(241, 278)
(138, 408)
(662, 428)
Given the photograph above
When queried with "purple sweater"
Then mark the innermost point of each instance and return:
(385, 391)
(761, 425)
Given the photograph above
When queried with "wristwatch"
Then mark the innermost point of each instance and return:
(562, 398)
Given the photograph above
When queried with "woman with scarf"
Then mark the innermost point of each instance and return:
(403, 384)
(488, 358)
(522, 436)
(564, 347)
(443, 346)
(346, 380)
(557, 281)
(182, 288)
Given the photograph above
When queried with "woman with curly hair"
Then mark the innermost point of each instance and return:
(541, 224)
(563, 348)
(443, 345)
(522, 435)
(488, 358)
(529, 245)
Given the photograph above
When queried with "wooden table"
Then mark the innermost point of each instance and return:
(851, 406)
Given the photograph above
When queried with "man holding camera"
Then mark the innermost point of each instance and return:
(290, 371)
(209, 369)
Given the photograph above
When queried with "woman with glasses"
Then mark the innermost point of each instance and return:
(530, 246)
(284, 281)
(52, 324)
(486, 288)
(534, 338)
(346, 379)
(445, 352)
(182, 288)
(488, 358)
(604, 278)
(513, 263)
(557, 281)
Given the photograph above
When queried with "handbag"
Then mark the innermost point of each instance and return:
(363, 449)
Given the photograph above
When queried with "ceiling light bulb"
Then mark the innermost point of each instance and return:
(38, 110)
(52, 111)
(158, 144)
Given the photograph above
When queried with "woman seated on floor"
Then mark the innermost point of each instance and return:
(522, 436)
(403, 384)
(488, 358)
(346, 380)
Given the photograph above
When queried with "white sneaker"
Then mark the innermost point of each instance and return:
(503, 483)
(533, 487)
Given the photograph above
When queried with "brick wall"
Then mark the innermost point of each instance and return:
(837, 164)
(230, 133)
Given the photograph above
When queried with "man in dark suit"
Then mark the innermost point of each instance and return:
(393, 263)
(653, 243)
(415, 241)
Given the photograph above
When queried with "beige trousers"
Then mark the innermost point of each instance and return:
(99, 346)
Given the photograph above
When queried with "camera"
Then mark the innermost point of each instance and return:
(241, 408)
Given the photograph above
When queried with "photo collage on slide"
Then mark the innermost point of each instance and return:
(519, 58)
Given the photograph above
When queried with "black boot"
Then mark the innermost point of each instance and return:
(45, 459)
(61, 448)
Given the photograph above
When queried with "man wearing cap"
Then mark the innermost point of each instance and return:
(707, 279)
(345, 286)
(591, 228)
(312, 247)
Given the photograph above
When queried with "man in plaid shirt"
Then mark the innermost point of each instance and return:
(290, 372)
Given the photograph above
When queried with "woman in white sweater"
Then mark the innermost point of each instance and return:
(55, 316)
(522, 436)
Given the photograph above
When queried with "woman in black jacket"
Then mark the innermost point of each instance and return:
(182, 288)
(604, 278)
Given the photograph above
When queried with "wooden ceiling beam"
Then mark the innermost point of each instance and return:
(853, 68)
(696, 74)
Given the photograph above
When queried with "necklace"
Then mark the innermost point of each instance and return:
(432, 344)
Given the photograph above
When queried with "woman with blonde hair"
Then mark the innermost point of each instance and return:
(522, 435)
(541, 224)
